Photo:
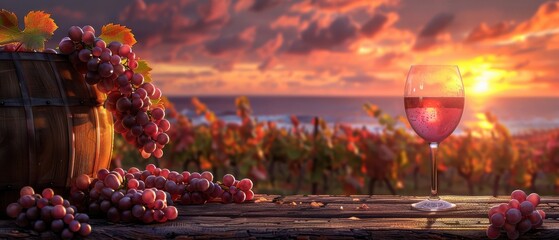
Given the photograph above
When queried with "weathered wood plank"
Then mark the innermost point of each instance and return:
(387, 217)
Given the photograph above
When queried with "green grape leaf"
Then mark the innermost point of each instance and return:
(115, 32)
(9, 31)
(144, 69)
(39, 27)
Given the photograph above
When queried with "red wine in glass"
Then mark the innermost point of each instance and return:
(434, 118)
(434, 102)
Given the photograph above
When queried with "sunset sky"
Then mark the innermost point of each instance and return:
(329, 47)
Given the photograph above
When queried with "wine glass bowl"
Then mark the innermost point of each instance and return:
(434, 103)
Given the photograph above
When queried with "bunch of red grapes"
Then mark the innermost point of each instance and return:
(113, 195)
(516, 217)
(148, 195)
(45, 211)
(111, 68)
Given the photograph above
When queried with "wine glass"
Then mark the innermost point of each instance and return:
(434, 102)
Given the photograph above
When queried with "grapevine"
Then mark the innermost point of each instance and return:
(106, 62)
(114, 69)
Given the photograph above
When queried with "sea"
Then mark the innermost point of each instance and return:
(519, 114)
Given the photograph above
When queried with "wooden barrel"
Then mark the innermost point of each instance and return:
(53, 125)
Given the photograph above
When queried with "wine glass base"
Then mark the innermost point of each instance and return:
(433, 205)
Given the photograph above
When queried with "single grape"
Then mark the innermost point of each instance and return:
(250, 195)
(493, 232)
(535, 217)
(171, 212)
(542, 213)
(150, 89)
(57, 225)
(148, 196)
(156, 94)
(13, 210)
(43, 202)
(27, 201)
(150, 129)
(68, 218)
(114, 47)
(534, 198)
(137, 79)
(40, 226)
(112, 181)
(164, 125)
(75, 33)
(105, 69)
(526, 208)
(48, 193)
(21, 220)
(148, 216)
(245, 184)
(203, 185)
(58, 212)
(123, 104)
(133, 183)
(113, 215)
(115, 59)
(88, 38)
(57, 200)
(228, 180)
(83, 181)
(27, 190)
(32, 213)
(105, 56)
(513, 203)
(513, 234)
(226, 197)
(85, 229)
(149, 147)
(102, 173)
(84, 55)
(158, 153)
(513, 216)
(67, 234)
(124, 50)
(524, 226)
(518, 195)
(239, 197)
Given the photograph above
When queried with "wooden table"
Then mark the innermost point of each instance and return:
(324, 217)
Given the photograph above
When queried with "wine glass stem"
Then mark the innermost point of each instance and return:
(434, 179)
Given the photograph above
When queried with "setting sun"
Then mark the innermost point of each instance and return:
(481, 87)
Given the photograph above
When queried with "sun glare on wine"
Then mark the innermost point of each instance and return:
(432, 113)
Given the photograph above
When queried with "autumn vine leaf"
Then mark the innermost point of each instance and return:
(39, 27)
(144, 69)
(115, 32)
(8, 27)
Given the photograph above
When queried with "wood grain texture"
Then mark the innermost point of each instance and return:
(296, 217)
(52, 124)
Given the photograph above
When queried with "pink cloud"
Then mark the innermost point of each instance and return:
(271, 46)
(226, 66)
(269, 63)
(377, 23)
(71, 14)
(338, 32)
(340, 5)
(235, 43)
(484, 31)
(286, 21)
